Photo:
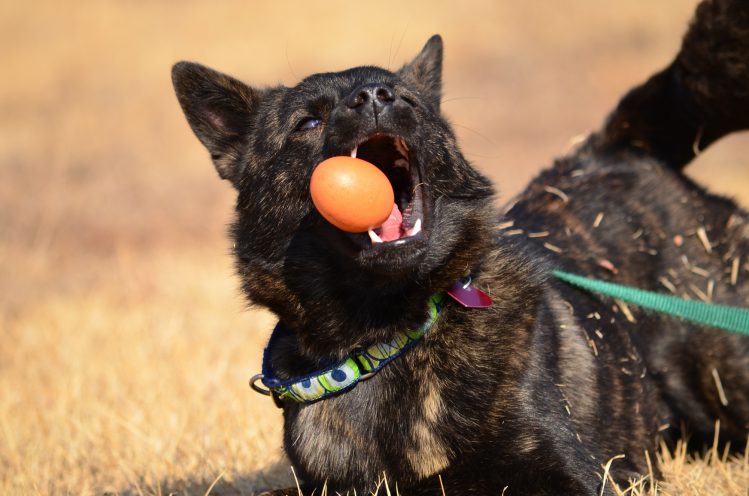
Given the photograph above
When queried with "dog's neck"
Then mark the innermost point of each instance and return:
(358, 314)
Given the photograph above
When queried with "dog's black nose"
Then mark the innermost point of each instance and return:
(377, 94)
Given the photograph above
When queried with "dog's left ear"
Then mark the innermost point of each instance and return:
(218, 109)
(425, 71)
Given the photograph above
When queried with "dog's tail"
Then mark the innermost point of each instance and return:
(702, 96)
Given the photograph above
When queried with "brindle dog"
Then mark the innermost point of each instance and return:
(539, 391)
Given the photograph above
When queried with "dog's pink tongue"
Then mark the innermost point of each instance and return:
(390, 230)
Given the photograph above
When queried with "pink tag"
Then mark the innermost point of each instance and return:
(469, 296)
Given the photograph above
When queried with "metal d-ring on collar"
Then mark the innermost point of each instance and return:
(344, 375)
(253, 385)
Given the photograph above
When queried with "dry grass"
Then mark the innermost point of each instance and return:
(139, 385)
(126, 347)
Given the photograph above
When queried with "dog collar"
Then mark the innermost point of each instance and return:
(344, 375)
(363, 363)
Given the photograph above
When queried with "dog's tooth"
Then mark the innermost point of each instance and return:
(374, 237)
(401, 162)
(416, 229)
(353, 152)
(400, 146)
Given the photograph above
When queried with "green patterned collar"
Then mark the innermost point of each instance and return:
(344, 375)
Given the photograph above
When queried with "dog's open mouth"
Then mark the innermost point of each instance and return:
(391, 154)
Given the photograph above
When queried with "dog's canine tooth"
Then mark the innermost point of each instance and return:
(374, 237)
(401, 146)
(416, 229)
(353, 152)
(402, 163)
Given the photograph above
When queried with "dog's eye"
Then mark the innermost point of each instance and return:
(308, 123)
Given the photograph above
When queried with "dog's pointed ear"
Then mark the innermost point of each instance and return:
(218, 109)
(425, 71)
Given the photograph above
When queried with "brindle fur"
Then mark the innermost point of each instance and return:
(536, 393)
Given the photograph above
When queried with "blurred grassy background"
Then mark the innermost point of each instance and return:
(126, 343)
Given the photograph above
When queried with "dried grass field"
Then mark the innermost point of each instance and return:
(126, 347)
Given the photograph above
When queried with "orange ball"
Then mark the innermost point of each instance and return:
(351, 193)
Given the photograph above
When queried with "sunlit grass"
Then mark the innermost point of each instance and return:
(137, 387)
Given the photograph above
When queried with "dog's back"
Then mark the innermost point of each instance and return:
(620, 209)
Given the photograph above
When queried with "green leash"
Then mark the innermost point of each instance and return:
(723, 317)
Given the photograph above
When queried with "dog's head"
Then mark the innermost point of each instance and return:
(267, 143)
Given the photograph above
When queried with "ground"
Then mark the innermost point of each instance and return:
(127, 346)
